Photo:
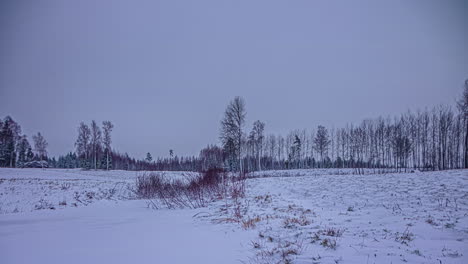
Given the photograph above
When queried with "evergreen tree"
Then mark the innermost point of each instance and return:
(149, 158)
(9, 134)
(295, 152)
(29, 154)
(23, 147)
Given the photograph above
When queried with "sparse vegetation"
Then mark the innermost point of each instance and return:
(329, 243)
(291, 222)
(404, 237)
(250, 222)
(214, 184)
(43, 204)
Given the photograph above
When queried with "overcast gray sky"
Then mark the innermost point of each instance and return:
(163, 71)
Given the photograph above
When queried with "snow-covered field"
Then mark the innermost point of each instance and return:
(24, 190)
(316, 172)
(313, 217)
(387, 218)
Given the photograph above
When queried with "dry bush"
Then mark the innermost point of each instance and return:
(263, 200)
(211, 185)
(331, 234)
(293, 221)
(43, 204)
(430, 220)
(331, 231)
(256, 244)
(283, 252)
(250, 222)
(329, 243)
(404, 237)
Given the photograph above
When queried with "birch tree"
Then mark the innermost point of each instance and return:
(40, 146)
(232, 129)
(82, 144)
(107, 127)
(96, 140)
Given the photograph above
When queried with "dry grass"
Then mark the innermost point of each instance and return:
(250, 222)
(404, 237)
(329, 243)
(294, 221)
(213, 184)
(332, 232)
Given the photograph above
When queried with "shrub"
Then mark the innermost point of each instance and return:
(250, 222)
(333, 232)
(293, 221)
(329, 243)
(196, 192)
(404, 237)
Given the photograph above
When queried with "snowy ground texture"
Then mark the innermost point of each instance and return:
(307, 216)
(23, 190)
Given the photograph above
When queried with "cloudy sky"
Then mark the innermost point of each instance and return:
(163, 71)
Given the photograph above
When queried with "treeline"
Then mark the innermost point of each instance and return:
(431, 139)
(15, 149)
(118, 161)
(435, 139)
(94, 151)
(427, 140)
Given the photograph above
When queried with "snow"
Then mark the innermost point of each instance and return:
(373, 212)
(315, 172)
(292, 216)
(107, 233)
(30, 189)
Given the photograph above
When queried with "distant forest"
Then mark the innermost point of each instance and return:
(429, 139)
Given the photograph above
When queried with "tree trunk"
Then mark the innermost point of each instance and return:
(466, 143)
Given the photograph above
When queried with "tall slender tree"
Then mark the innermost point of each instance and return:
(321, 141)
(232, 129)
(463, 108)
(96, 140)
(82, 144)
(23, 147)
(10, 133)
(40, 146)
(257, 137)
(107, 127)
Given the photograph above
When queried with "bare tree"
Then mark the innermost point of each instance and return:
(211, 157)
(82, 143)
(107, 127)
(257, 136)
(96, 137)
(40, 146)
(321, 141)
(232, 126)
(463, 108)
